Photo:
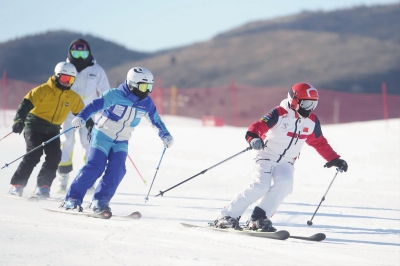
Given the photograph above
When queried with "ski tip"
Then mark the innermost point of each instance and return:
(316, 237)
(319, 236)
(106, 214)
(282, 234)
(136, 215)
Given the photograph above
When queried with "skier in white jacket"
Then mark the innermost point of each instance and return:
(277, 139)
(90, 82)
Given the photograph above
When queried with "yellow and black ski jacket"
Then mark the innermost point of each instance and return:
(46, 107)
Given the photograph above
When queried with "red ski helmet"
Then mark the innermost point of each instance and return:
(303, 95)
(303, 98)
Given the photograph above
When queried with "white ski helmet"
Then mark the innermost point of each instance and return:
(65, 68)
(140, 78)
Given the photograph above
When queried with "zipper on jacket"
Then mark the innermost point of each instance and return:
(290, 143)
(123, 124)
(59, 113)
(298, 136)
(58, 103)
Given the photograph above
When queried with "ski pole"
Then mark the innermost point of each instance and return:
(202, 172)
(130, 159)
(147, 197)
(6, 136)
(43, 144)
(309, 223)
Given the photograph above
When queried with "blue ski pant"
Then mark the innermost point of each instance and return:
(105, 156)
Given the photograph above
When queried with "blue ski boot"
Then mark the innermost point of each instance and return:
(16, 190)
(42, 192)
(72, 204)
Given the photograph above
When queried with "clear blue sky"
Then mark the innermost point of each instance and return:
(150, 25)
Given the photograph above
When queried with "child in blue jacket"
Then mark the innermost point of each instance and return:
(123, 108)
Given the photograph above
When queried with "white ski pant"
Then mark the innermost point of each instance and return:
(272, 183)
(68, 142)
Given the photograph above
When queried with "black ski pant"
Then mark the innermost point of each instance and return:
(49, 167)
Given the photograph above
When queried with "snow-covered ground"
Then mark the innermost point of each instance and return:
(360, 216)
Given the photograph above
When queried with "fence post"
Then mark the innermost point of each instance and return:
(174, 100)
(4, 105)
(336, 111)
(384, 99)
(233, 93)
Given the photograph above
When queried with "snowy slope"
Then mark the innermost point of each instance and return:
(360, 216)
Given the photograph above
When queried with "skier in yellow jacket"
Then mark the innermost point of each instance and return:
(40, 116)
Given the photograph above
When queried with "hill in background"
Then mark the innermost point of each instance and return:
(350, 50)
(33, 58)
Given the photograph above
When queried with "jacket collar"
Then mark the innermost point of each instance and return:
(52, 84)
(291, 113)
(93, 61)
(125, 90)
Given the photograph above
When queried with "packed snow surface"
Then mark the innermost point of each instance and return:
(360, 215)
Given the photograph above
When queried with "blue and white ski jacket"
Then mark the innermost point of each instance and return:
(122, 112)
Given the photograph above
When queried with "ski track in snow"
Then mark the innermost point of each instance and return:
(360, 214)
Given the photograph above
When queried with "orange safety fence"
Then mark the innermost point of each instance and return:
(239, 105)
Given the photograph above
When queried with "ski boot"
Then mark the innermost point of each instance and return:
(227, 222)
(16, 190)
(261, 225)
(99, 209)
(258, 221)
(103, 211)
(72, 204)
(42, 192)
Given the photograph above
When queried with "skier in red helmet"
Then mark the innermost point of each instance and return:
(277, 139)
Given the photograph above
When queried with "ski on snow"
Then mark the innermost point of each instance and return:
(317, 237)
(133, 215)
(102, 215)
(32, 198)
(278, 235)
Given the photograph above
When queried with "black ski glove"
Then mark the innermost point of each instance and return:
(18, 126)
(89, 126)
(339, 163)
(89, 136)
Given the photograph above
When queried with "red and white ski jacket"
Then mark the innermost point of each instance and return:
(284, 134)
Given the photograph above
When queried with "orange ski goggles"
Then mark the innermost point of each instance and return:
(66, 79)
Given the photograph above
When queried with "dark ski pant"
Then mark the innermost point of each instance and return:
(113, 166)
(49, 167)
